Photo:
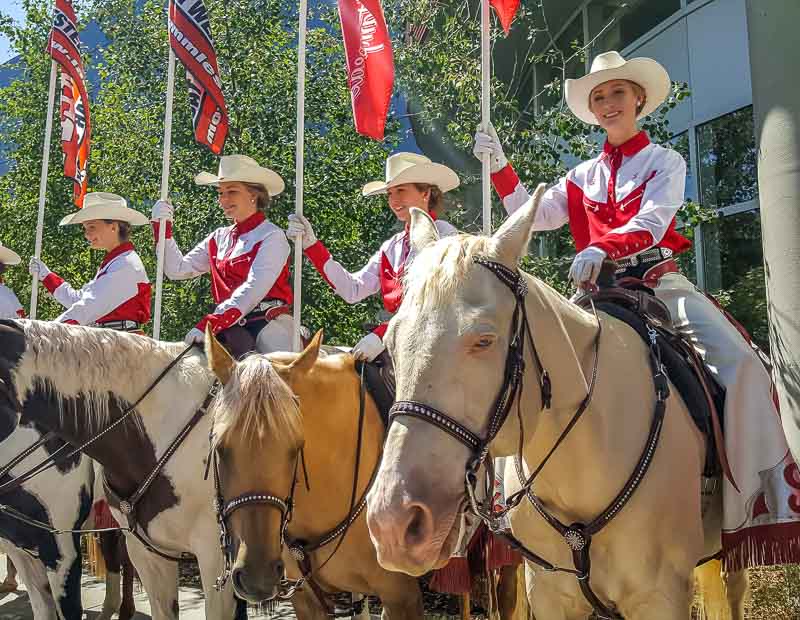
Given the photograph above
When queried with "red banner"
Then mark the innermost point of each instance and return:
(370, 64)
(505, 9)
(64, 46)
(190, 38)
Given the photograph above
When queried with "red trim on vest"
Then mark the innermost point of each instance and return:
(52, 281)
(137, 308)
(380, 330)
(21, 313)
(71, 322)
(391, 284)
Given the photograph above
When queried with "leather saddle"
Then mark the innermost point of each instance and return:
(636, 305)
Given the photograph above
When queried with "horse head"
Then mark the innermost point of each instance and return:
(449, 342)
(257, 439)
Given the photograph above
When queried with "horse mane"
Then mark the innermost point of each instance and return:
(436, 272)
(68, 361)
(256, 402)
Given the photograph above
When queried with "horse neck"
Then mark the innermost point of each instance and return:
(129, 452)
(586, 471)
(330, 409)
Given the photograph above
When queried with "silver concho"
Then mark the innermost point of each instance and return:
(575, 540)
(297, 553)
(125, 507)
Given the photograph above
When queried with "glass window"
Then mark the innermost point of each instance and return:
(681, 144)
(726, 156)
(620, 22)
(734, 270)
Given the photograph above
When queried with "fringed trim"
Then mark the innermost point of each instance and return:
(777, 543)
(102, 515)
(500, 554)
(453, 578)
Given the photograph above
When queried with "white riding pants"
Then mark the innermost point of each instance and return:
(276, 335)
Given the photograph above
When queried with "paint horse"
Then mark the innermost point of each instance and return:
(49, 564)
(78, 382)
(468, 321)
(297, 439)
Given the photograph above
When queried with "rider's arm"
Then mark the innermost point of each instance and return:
(269, 262)
(61, 290)
(180, 267)
(552, 212)
(108, 291)
(352, 287)
(662, 197)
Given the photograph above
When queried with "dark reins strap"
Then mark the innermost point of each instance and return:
(52, 460)
(30, 450)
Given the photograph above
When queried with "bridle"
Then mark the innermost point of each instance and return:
(578, 536)
(301, 550)
(224, 509)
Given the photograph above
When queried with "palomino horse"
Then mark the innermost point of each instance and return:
(77, 382)
(450, 342)
(267, 448)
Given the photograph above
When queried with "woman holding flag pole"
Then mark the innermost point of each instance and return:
(248, 261)
(119, 295)
(411, 181)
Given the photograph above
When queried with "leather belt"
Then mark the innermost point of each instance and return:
(267, 310)
(653, 255)
(124, 326)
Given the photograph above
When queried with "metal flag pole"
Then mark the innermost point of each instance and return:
(299, 166)
(486, 69)
(48, 129)
(162, 223)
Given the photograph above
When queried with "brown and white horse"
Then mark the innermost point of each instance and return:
(449, 342)
(76, 382)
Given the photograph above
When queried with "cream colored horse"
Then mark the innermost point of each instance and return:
(270, 407)
(449, 342)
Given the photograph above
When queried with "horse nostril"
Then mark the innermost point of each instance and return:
(279, 569)
(419, 526)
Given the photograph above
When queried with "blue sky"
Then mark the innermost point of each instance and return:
(14, 9)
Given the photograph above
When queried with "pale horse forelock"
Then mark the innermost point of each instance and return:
(438, 271)
(71, 361)
(256, 402)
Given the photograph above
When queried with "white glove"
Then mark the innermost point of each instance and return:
(37, 268)
(195, 336)
(489, 142)
(162, 210)
(586, 266)
(368, 348)
(300, 226)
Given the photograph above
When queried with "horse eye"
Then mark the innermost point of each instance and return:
(484, 342)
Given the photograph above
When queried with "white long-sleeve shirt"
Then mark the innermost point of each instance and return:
(120, 291)
(10, 308)
(248, 263)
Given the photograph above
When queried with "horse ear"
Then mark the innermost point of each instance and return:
(422, 231)
(219, 360)
(513, 236)
(306, 360)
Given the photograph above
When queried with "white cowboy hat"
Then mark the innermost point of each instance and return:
(412, 168)
(645, 72)
(8, 256)
(105, 206)
(244, 169)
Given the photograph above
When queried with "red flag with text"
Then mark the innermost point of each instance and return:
(505, 9)
(370, 64)
(191, 40)
(64, 47)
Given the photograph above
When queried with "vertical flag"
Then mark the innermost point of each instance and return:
(370, 64)
(64, 47)
(191, 40)
(505, 9)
